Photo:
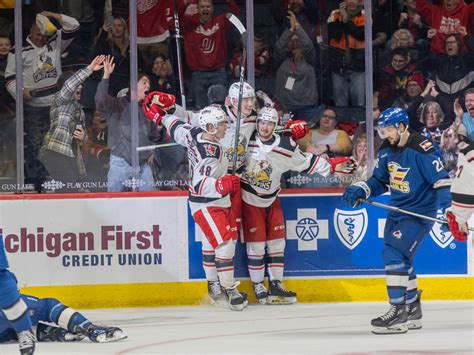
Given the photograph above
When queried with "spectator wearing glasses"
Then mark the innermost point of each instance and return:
(327, 139)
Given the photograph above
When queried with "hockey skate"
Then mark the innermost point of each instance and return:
(235, 299)
(216, 293)
(278, 294)
(26, 340)
(51, 333)
(102, 334)
(392, 322)
(260, 292)
(414, 313)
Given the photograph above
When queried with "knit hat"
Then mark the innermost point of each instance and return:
(45, 26)
(418, 78)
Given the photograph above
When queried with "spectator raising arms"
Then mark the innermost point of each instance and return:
(61, 152)
(295, 78)
(41, 58)
(205, 46)
(119, 120)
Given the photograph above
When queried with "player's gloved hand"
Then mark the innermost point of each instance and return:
(459, 231)
(342, 165)
(352, 195)
(298, 128)
(228, 184)
(157, 104)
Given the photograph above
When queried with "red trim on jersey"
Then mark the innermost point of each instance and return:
(282, 153)
(313, 167)
(457, 204)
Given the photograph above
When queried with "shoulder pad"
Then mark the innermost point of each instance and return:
(288, 143)
(209, 150)
(195, 131)
(420, 143)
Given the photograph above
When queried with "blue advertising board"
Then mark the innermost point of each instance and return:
(326, 239)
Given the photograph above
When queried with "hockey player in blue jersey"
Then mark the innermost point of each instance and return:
(410, 166)
(71, 325)
(14, 309)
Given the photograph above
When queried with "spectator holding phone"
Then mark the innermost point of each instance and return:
(61, 151)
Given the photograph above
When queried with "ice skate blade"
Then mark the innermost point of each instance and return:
(394, 329)
(116, 336)
(277, 300)
(262, 300)
(414, 324)
(219, 302)
(238, 307)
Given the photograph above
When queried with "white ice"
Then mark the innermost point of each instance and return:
(323, 328)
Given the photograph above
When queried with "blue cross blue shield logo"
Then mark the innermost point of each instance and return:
(350, 226)
(443, 239)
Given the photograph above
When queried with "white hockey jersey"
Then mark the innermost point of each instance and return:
(247, 127)
(462, 191)
(265, 164)
(42, 65)
(206, 164)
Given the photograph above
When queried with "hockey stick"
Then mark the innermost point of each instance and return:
(178, 55)
(243, 33)
(399, 210)
(151, 147)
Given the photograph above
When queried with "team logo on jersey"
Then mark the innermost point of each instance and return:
(259, 175)
(440, 237)
(241, 147)
(397, 177)
(307, 229)
(426, 145)
(350, 226)
(44, 68)
(210, 150)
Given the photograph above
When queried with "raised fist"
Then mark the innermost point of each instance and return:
(228, 184)
(342, 165)
(459, 231)
(299, 128)
(157, 104)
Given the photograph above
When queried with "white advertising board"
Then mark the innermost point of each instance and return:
(96, 240)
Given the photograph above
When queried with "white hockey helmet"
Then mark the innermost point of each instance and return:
(213, 115)
(247, 91)
(268, 114)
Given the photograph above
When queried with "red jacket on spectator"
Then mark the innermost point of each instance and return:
(205, 45)
(443, 21)
(154, 19)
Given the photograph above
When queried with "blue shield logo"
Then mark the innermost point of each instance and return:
(443, 239)
(350, 226)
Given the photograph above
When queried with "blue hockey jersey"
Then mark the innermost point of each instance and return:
(413, 174)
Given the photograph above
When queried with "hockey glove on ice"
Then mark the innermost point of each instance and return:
(157, 104)
(228, 184)
(459, 231)
(352, 195)
(342, 165)
(298, 128)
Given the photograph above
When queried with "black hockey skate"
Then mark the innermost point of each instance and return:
(216, 293)
(278, 294)
(51, 333)
(26, 340)
(260, 292)
(414, 313)
(102, 334)
(392, 322)
(235, 299)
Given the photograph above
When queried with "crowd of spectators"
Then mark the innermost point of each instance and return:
(309, 57)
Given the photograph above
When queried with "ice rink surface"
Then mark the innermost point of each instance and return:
(323, 328)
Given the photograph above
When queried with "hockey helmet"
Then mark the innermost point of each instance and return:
(213, 115)
(268, 114)
(247, 91)
(393, 116)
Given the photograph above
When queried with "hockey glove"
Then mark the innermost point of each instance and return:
(342, 165)
(228, 184)
(298, 128)
(157, 104)
(459, 231)
(352, 195)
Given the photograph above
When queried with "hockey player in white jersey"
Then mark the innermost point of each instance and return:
(462, 194)
(210, 191)
(268, 157)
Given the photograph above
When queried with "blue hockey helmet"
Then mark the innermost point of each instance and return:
(393, 116)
